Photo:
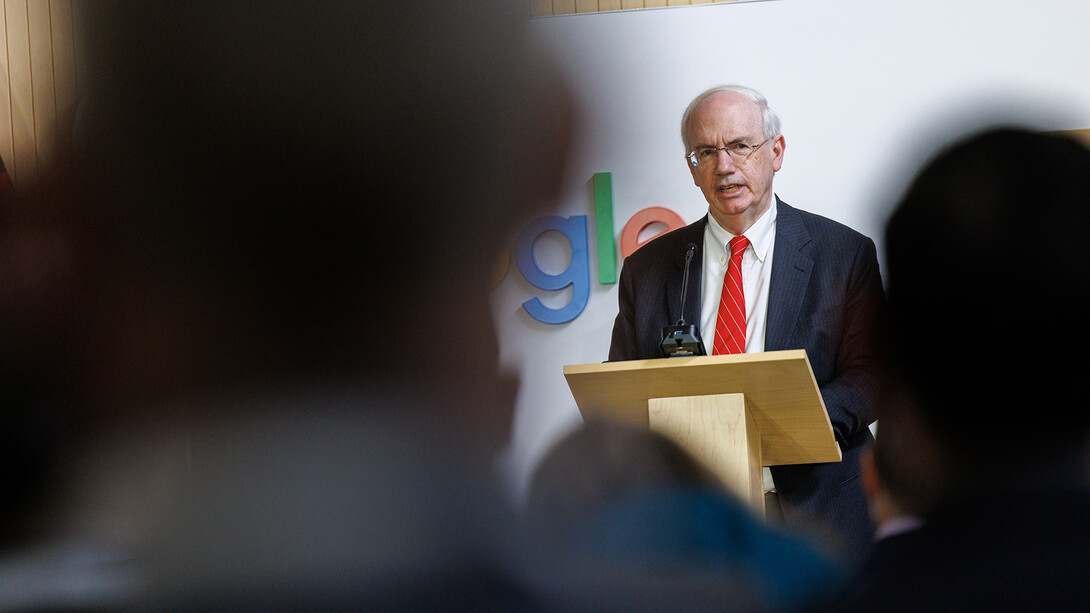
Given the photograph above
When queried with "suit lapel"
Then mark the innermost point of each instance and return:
(693, 233)
(791, 268)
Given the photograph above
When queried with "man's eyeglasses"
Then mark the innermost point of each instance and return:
(739, 153)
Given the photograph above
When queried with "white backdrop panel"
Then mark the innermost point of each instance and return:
(866, 91)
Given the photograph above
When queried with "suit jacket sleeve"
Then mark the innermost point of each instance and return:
(623, 345)
(850, 395)
(826, 297)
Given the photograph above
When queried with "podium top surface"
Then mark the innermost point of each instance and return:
(779, 389)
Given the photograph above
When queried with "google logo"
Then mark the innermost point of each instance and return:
(574, 228)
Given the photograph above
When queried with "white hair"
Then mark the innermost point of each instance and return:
(770, 120)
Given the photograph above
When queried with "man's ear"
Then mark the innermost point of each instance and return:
(779, 145)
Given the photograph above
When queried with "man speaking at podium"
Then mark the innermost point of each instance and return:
(765, 277)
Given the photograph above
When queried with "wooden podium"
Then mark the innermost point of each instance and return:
(736, 413)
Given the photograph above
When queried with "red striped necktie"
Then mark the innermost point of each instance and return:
(730, 327)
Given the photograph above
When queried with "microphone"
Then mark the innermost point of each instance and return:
(682, 340)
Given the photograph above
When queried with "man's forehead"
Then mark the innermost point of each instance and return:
(725, 114)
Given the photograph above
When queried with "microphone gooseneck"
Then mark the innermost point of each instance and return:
(681, 339)
(685, 283)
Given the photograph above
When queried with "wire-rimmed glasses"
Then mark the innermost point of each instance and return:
(739, 153)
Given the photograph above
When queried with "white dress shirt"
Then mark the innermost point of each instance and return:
(756, 275)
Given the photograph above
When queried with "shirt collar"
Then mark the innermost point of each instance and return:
(760, 234)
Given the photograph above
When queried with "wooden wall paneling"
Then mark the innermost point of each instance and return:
(563, 7)
(43, 92)
(24, 164)
(541, 8)
(586, 6)
(64, 67)
(39, 92)
(79, 43)
(6, 145)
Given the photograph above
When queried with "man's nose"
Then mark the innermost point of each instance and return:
(724, 163)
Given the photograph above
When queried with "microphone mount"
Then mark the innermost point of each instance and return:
(681, 339)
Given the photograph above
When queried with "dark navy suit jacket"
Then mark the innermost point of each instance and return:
(1000, 548)
(825, 296)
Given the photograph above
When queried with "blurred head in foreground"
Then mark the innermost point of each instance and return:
(603, 462)
(641, 524)
(305, 193)
(988, 268)
(290, 210)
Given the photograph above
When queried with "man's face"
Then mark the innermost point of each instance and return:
(737, 194)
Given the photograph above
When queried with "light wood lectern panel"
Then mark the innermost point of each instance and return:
(786, 416)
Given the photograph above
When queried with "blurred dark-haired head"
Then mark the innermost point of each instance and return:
(274, 198)
(315, 190)
(605, 461)
(988, 265)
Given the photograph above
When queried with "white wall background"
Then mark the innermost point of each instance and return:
(865, 88)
